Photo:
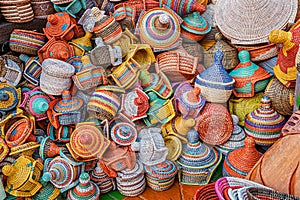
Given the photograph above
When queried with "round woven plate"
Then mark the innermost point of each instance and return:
(174, 146)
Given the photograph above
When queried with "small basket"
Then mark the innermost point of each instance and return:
(17, 11)
(206, 192)
(26, 42)
(42, 8)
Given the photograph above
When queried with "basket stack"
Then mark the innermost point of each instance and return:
(17, 11)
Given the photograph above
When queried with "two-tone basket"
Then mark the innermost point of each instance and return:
(17, 11)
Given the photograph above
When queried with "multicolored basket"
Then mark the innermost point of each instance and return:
(161, 177)
(183, 7)
(33, 69)
(16, 11)
(27, 42)
(260, 52)
(260, 193)
(211, 132)
(10, 97)
(48, 191)
(206, 192)
(102, 180)
(197, 161)
(240, 161)
(125, 14)
(264, 124)
(249, 77)
(71, 8)
(215, 83)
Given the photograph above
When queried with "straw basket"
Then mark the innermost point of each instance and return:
(42, 8)
(206, 192)
(260, 193)
(16, 11)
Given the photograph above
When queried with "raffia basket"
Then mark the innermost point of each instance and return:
(16, 11)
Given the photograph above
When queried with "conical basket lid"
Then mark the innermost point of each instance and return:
(251, 21)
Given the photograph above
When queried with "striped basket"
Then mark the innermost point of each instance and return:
(42, 8)
(17, 11)
(260, 193)
(206, 192)
(26, 42)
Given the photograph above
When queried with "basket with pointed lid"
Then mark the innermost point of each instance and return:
(236, 139)
(264, 124)
(106, 27)
(36, 103)
(250, 22)
(249, 77)
(102, 180)
(48, 191)
(188, 101)
(197, 161)
(61, 173)
(214, 124)
(194, 27)
(85, 190)
(135, 104)
(240, 161)
(158, 83)
(87, 142)
(9, 97)
(230, 53)
(131, 182)
(183, 7)
(215, 83)
(161, 177)
(160, 28)
(23, 176)
(151, 147)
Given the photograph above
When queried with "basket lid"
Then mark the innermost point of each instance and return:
(196, 154)
(57, 68)
(9, 97)
(193, 98)
(57, 24)
(251, 21)
(123, 133)
(98, 175)
(264, 122)
(162, 171)
(85, 190)
(196, 24)
(68, 103)
(159, 27)
(216, 74)
(243, 159)
(174, 146)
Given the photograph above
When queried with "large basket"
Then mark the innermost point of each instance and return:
(16, 11)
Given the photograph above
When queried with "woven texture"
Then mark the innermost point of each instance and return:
(249, 77)
(215, 83)
(197, 161)
(9, 97)
(17, 11)
(42, 8)
(259, 193)
(102, 180)
(206, 192)
(264, 124)
(250, 22)
(33, 69)
(211, 132)
(183, 7)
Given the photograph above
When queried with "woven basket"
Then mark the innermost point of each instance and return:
(281, 96)
(206, 192)
(42, 8)
(260, 52)
(58, 2)
(177, 66)
(16, 11)
(194, 49)
(230, 53)
(260, 193)
(26, 42)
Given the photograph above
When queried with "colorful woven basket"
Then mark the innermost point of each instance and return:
(42, 8)
(188, 101)
(27, 42)
(264, 124)
(150, 146)
(242, 106)
(161, 177)
(215, 83)
(56, 76)
(206, 192)
(85, 190)
(48, 192)
(102, 180)
(230, 53)
(178, 66)
(249, 77)
(250, 26)
(131, 182)
(240, 161)
(183, 7)
(33, 69)
(236, 139)
(4, 150)
(160, 28)
(123, 133)
(72, 8)
(197, 161)
(16, 11)
(194, 27)
(104, 102)
(48, 149)
(211, 132)
(10, 97)
(281, 96)
(260, 52)
(260, 193)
